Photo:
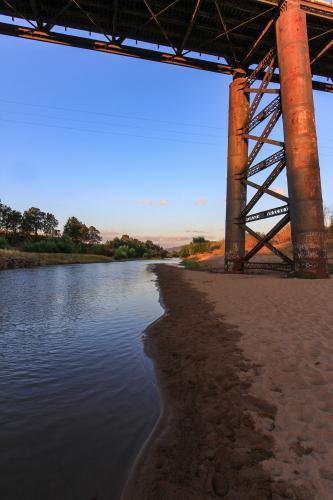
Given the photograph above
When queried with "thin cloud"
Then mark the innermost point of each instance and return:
(108, 235)
(201, 202)
(148, 202)
(195, 231)
(164, 202)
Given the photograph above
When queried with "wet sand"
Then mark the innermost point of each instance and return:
(243, 366)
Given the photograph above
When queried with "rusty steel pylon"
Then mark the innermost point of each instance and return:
(298, 154)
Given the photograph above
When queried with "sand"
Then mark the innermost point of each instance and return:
(287, 332)
(244, 366)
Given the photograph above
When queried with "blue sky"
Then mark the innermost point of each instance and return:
(127, 145)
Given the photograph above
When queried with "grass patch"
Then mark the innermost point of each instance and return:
(194, 264)
(71, 258)
(15, 258)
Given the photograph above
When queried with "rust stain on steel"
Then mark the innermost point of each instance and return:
(306, 209)
(237, 162)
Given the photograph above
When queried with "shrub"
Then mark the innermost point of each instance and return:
(132, 253)
(184, 251)
(100, 249)
(121, 252)
(193, 248)
(52, 245)
(3, 242)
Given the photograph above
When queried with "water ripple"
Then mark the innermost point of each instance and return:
(77, 394)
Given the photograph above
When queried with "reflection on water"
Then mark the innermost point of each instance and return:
(77, 393)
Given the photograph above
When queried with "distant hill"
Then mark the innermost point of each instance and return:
(173, 249)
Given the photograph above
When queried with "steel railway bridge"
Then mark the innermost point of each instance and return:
(276, 51)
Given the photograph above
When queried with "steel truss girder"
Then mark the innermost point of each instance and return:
(269, 245)
(265, 140)
(276, 229)
(309, 6)
(264, 113)
(274, 111)
(261, 140)
(116, 47)
(189, 27)
(262, 165)
(264, 63)
(258, 41)
(264, 188)
(308, 230)
(268, 75)
(268, 266)
(275, 194)
(265, 214)
(262, 91)
(322, 51)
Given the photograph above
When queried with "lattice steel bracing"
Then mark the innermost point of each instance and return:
(264, 116)
(269, 115)
(292, 100)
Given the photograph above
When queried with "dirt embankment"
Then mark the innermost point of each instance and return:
(215, 260)
(12, 259)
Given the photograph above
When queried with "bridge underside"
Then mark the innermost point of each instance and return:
(287, 43)
(212, 35)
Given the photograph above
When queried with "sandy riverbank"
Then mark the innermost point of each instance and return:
(244, 365)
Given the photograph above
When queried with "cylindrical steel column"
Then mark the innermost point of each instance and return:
(306, 206)
(237, 162)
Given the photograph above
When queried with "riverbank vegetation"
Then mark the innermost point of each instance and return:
(198, 245)
(33, 236)
(11, 259)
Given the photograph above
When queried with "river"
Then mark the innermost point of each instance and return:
(78, 396)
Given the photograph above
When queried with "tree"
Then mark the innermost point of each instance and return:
(81, 233)
(33, 220)
(115, 243)
(50, 224)
(2, 208)
(14, 220)
(94, 235)
(5, 212)
(199, 239)
(75, 229)
(126, 247)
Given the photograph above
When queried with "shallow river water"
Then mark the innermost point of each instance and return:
(78, 396)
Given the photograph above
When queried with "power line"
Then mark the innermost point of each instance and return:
(108, 133)
(110, 124)
(168, 139)
(127, 117)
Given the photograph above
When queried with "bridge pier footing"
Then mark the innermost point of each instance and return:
(237, 162)
(303, 174)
